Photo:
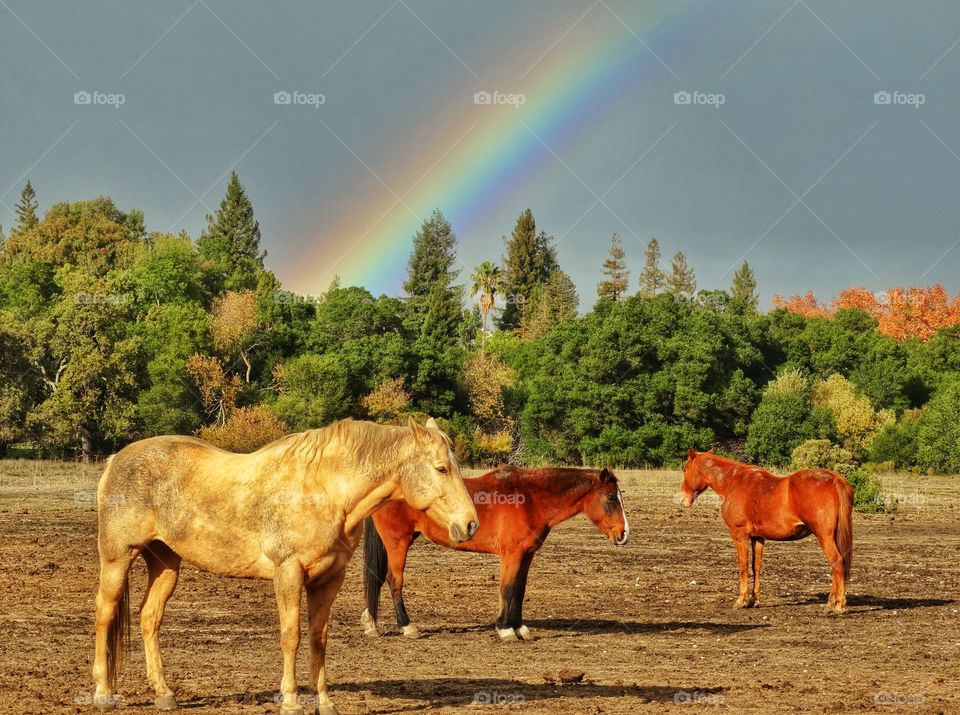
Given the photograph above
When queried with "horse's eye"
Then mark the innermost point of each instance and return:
(442, 469)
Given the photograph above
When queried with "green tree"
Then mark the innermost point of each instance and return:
(433, 257)
(784, 420)
(530, 260)
(26, 209)
(681, 280)
(938, 434)
(552, 303)
(313, 391)
(614, 286)
(486, 282)
(231, 242)
(744, 288)
(652, 277)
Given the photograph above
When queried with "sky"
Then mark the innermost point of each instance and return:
(817, 140)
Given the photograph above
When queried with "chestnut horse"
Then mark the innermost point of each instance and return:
(292, 511)
(517, 508)
(758, 505)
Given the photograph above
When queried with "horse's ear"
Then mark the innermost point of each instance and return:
(710, 451)
(691, 453)
(415, 429)
(432, 424)
(606, 474)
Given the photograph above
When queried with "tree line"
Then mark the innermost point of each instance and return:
(110, 332)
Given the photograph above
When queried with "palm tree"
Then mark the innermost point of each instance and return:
(487, 280)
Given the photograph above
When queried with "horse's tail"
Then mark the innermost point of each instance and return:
(374, 566)
(844, 534)
(118, 635)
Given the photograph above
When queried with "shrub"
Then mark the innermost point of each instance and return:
(856, 420)
(387, 400)
(938, 432)
(867, 496)
(897, 443)
(784, 420)
(820, 454)
(246, 429)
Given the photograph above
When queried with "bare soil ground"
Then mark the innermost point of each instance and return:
(650, 624)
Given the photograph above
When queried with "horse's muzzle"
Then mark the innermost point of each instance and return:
(458, 535)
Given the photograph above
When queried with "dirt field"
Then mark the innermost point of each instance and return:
(650, 623)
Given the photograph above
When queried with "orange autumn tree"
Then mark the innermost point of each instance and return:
(902, 313)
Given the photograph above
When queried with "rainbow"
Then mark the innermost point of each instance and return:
(489, 152)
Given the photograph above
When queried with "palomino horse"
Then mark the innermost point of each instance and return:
(758, 505)
(518, 508)
(292, 511)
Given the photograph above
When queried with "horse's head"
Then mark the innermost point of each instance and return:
(430, 481)
(604, 507)
(694, 480)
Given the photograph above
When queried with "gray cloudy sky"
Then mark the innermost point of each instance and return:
(804, 169)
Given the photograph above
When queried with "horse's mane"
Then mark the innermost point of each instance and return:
(357, 439)
(549, 477)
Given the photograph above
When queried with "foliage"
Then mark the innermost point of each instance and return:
(652, 277)
(681, 279)
(897, 444)
(743, 291)
(867, 495)
(784, 420)
(246, 430)
(231, 242)
(820, 454)
(617, 277)
(387, 400)
(856, 421)
(530, 260)
(938, 431)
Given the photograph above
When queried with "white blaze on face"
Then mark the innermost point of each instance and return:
(626, 524)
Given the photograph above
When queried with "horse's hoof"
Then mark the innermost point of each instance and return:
(740, 604)
(327, 709)
(165, 703)
(369, 625)
(524, 633)
(105, 702)
(507, 634)
(410, 631)
(291, 710)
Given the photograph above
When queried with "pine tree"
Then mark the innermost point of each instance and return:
(652, 277)
(530, 261)
(231, 241)
(614, 268)
(432, 258)
(26, 209)
(682, 280)
(552, 303)
(744, 288)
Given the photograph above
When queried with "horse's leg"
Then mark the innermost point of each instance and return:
(838, 597)
(509, 569)
(742, 542)
(756, 545)
(515, 610)
(288, 584)
(319, 600)
(111, 605)
(396, 563)
(163, 567)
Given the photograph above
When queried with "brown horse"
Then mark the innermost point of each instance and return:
(758, 505)
(292, 511)
(517, 508)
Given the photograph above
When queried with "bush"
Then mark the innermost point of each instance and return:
(246, 430)
(820, 454)
(938, 432)
(783, 421)
(867, 496)
(897, 443)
